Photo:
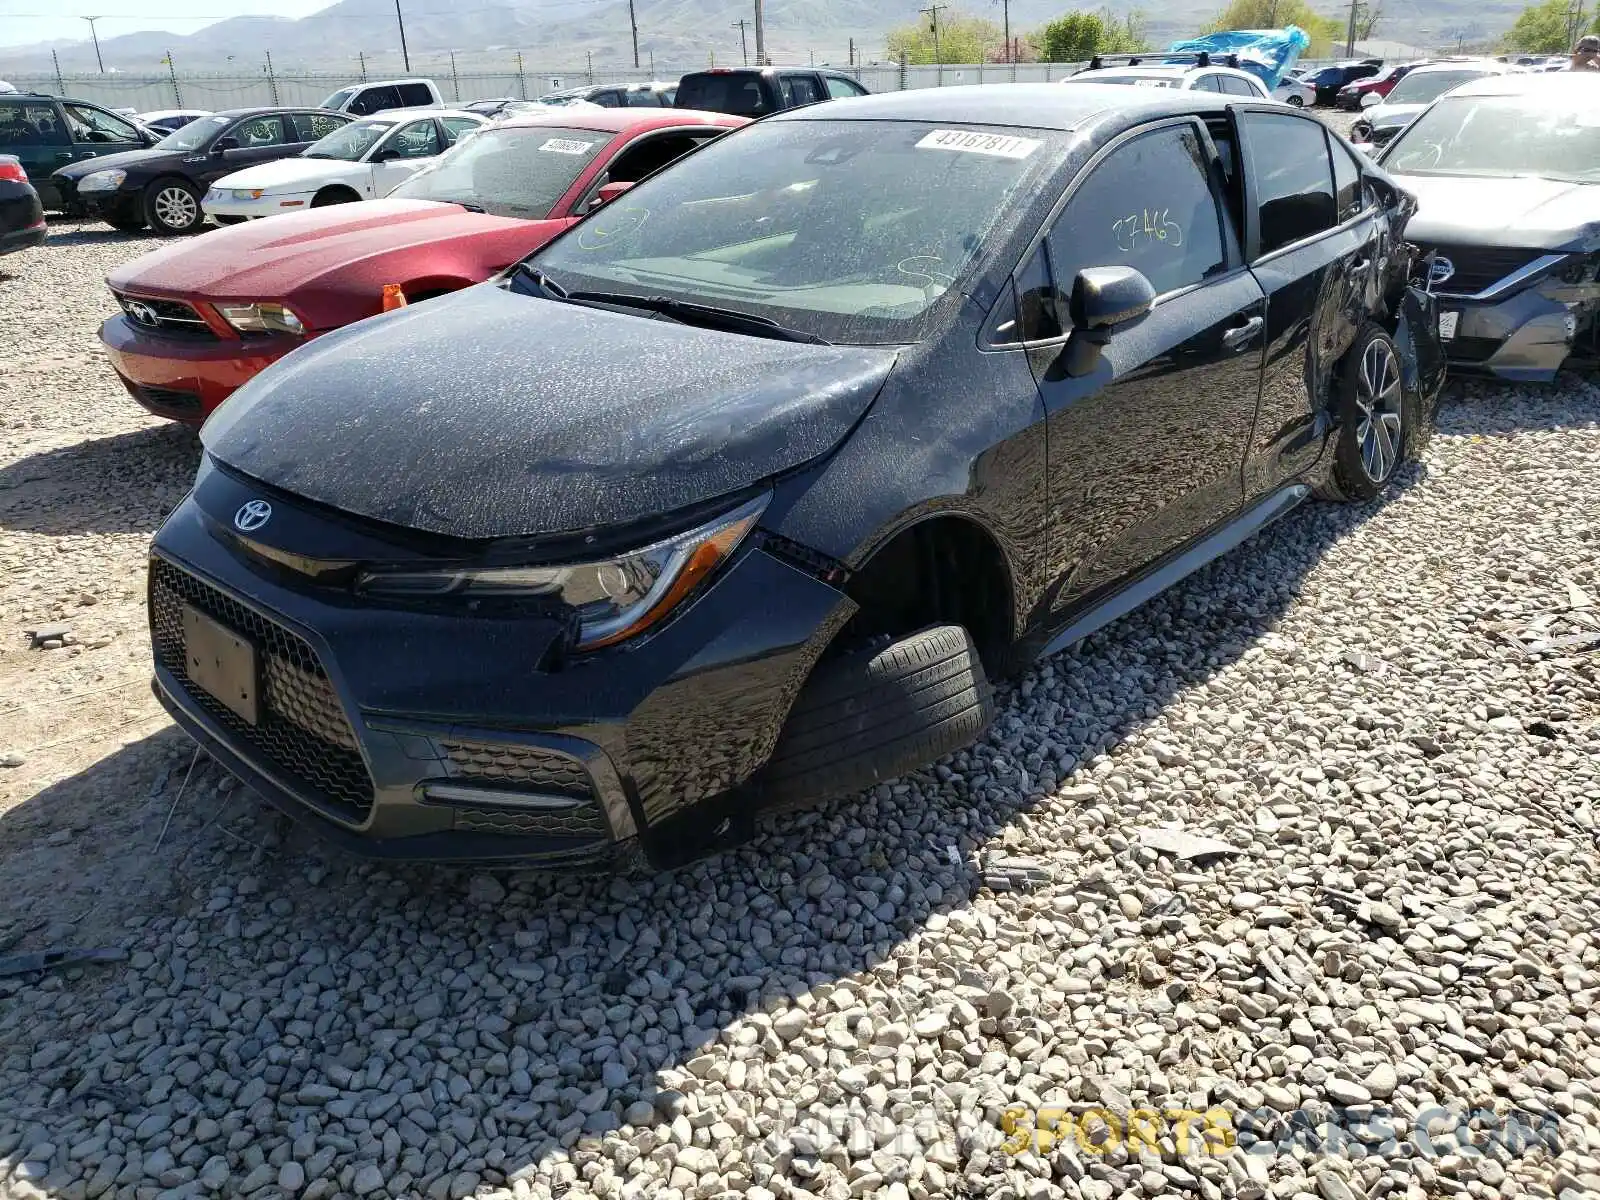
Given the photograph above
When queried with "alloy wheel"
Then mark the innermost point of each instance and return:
(176, 208)
(1378, 401)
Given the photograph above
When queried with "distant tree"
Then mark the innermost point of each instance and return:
(1076, 36)
(1326, 33)
(960, 38)
(1548, 28)
(1368, 15)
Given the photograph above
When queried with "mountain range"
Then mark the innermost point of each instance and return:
(681, 32)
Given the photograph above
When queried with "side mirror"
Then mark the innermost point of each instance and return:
(1105, 301)
(1371, 100)
(387, 155)
(607, 193)
(221, 145)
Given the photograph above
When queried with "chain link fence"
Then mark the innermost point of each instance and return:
(144, 93)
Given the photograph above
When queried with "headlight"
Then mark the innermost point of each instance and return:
(614, 599)
(261, 318)
(247, 193)
(102, 181)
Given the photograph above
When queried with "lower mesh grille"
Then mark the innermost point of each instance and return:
(170, 401)
(531, 769)
(303, 736)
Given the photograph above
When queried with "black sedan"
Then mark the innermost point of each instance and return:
(21, 217)
(1331, 80)
(740, 492)
(161, 187)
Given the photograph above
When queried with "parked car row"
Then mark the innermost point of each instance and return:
(687, 512)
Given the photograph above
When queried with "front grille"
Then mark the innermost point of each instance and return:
(580, 821)
(1478, 268)
(525, 766)
(169, 402)
(171, 317)
(303, 735)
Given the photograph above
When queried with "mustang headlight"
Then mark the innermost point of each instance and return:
(614, 598)
(102, 181)
(261, 318)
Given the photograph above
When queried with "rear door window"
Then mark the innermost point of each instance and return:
(739, 94)
(313, 126)
(30, 123)
(375, 99)
(1150, 205)
(1208, 83)
(1234, 86)
(416, 95)
(607, 99)
(799, 90)
(1293, 179)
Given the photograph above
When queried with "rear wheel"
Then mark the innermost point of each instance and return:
(1372, 425)
(173, 206)
(879, 712)
(1296, 102)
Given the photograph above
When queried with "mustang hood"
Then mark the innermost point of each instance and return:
(1533, 214)
(489, 414)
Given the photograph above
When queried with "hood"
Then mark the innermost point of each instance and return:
(490, 414)
(321, 258)
(285, 173)
(1387, 116)
(1535, 214)
(127, 160)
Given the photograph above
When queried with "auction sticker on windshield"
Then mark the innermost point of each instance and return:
(998, 145)
(566, 146)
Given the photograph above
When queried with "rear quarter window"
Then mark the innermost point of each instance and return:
(412, 94)
(740, 95)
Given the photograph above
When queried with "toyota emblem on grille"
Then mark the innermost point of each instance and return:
(1442, 271)
(142, 313)
(252, 515)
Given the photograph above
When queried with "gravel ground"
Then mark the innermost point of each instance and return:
(1398, 929)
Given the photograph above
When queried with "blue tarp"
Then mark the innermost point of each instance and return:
(1268, 54)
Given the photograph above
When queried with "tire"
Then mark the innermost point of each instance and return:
(333, 195)
(1296, 102)
(1373, 438)
(877, 713)
(172, 206)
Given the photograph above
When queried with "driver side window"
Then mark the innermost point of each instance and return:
(1150, 206)
(92, 125)
(416, 139)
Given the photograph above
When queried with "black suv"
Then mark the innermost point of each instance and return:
(162, 186)
(1330, 80)
(45, 133)
(758, 91)
(740, 491)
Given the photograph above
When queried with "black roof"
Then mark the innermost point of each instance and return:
(1037, 105)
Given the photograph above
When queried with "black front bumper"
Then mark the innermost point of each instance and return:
(447, 737)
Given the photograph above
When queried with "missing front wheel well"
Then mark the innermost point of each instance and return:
(946, 570)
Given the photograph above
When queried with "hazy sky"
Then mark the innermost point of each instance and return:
(26, 21)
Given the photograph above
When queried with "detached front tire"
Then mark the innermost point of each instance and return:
(877, 713)
(1372, 419)
(172, 206)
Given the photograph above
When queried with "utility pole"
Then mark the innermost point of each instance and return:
(361, 56)
(761, 37)
(96, 36)
(172, 74)
(404, 53)
(634, 22)
(743, 45)
(1350, 37)
(522, 80)
(1005, 10)
(455, 80)
(590, 54)
(61, 84)
(932, 13)
(852, 52)
(272, 80)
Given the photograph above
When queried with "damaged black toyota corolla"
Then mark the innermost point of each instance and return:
(741, 492)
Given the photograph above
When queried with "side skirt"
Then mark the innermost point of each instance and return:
(1207, 549)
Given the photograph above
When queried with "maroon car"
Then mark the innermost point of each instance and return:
(200, 317)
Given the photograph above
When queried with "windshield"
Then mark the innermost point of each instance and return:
(193, 135)
(339, 99)
(1429, 86)
(847, 230)
(1502, 137)
(349, 142)
(515, 172)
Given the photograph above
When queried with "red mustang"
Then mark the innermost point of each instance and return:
(201, 317)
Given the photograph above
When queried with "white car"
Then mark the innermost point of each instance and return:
(1383, 120)
(1295, 94)
(364, 160)
(1183, 77)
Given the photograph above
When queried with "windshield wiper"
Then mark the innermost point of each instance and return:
(539, 279)
(707, 315)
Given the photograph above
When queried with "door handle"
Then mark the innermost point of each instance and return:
(1241, 335)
